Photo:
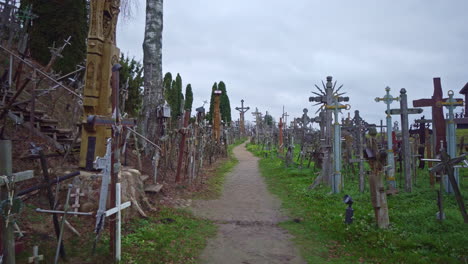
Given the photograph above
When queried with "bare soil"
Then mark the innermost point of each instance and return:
(247, 216)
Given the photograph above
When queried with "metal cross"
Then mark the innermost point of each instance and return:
(117, 210)
(36, 257)
(336, 108)
(388, 100)
(451, 104)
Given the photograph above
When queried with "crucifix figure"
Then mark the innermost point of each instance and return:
(242, 110)
(388, 99)
(404, 111)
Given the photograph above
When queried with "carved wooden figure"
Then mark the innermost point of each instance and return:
(102, 53)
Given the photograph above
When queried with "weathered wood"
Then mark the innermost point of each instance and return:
(50, 197)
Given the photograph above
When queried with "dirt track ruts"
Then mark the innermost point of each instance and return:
(247, 216)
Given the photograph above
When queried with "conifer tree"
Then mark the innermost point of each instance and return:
(56, 21)
(188, 97)
(132, 71)
(209, 115)
(225, 105)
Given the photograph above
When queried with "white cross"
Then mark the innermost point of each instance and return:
(117, 209)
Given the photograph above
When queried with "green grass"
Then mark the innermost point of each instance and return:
(174, 236)
(214, 184)
(415, 236)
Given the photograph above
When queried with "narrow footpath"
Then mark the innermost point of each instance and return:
(247, 216)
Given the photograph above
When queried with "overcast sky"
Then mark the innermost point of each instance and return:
(271, 52)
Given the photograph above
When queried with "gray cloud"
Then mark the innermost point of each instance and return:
(271, 53)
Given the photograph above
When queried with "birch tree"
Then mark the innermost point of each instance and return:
(152, 63)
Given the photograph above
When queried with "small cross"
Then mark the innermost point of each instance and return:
(76, 195)
(36, 257)
(117, 210)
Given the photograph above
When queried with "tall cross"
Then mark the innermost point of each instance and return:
(326, 97)
(451, 103)
(258, 117)
(388, 100)
(336, 108)
(439, 127)
(404, 111)
(242, 110)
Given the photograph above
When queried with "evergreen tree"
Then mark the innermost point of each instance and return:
(188, 97)
(56, 21)
(167, 83)
(209, 115)
(269, 120)
(132, 71)
(225, 105)
(178, 95)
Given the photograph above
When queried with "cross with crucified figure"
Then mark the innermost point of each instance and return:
(242, 110)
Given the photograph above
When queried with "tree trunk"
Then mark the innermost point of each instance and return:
(152, 63)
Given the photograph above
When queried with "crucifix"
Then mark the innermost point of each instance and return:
(451, 103)
(258, 117)
(388, 100)
(11, 204)
(404, 111)
(242, 110)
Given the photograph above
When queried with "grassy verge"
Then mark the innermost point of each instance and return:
(415, 236)
(174, 236)
(214, 183)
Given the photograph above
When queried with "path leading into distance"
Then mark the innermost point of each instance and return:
(247, 216)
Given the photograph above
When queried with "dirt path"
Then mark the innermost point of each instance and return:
(247, 215)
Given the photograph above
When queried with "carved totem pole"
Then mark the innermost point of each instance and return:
(102, 53)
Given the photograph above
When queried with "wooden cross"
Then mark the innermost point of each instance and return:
(117, 210)
(439, 127)
(36, 257)
(77, 194)
(446, 166)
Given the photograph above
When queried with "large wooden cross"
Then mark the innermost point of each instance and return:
(439, 127)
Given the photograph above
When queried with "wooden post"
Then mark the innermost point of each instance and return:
(217, 116)
(50, 197)
(8, 238)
